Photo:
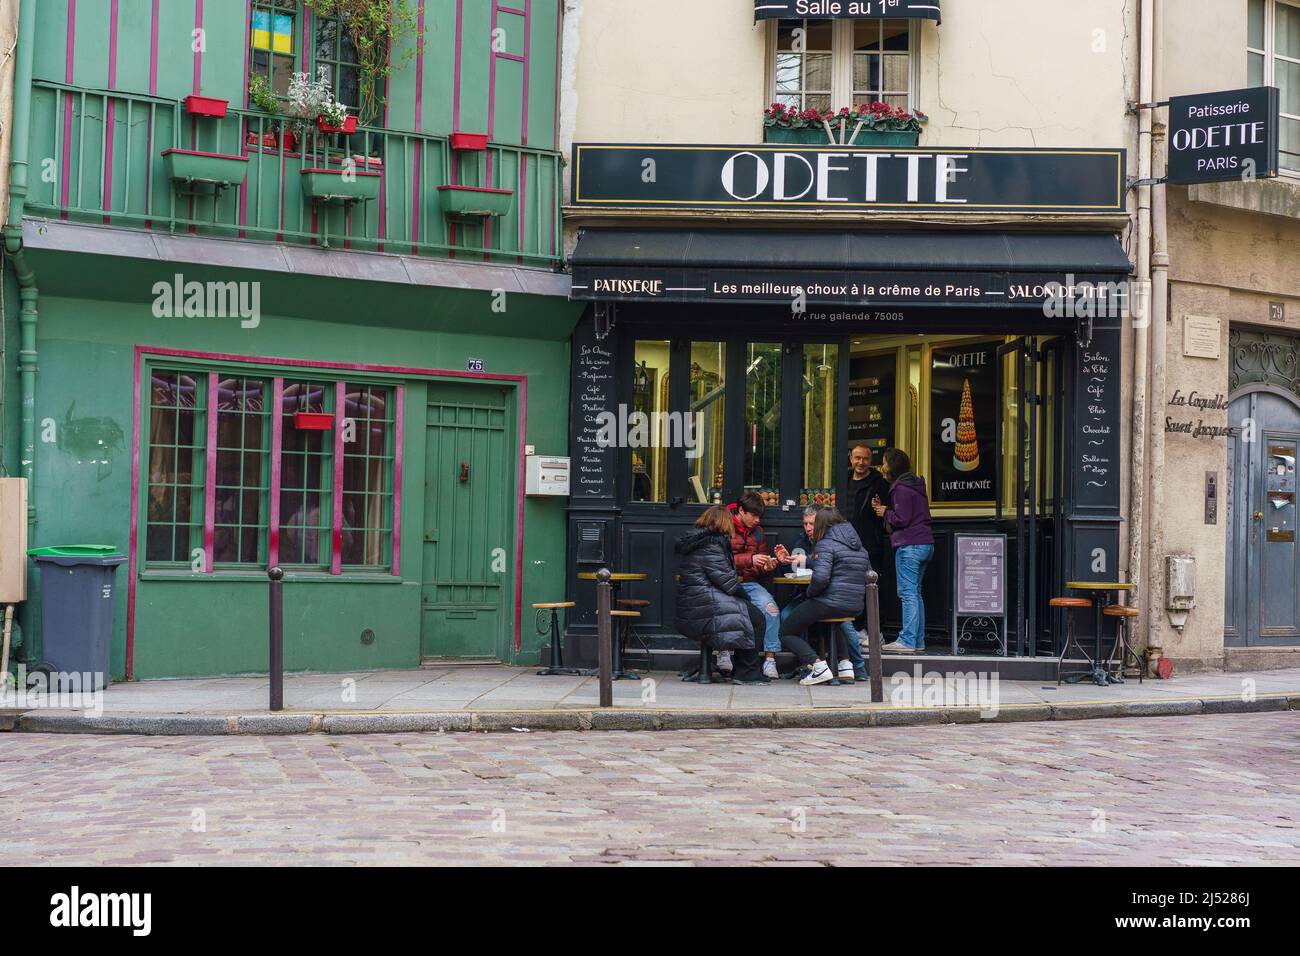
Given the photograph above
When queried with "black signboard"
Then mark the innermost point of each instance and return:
(981, 574)
(1216, 137)
(871, 401)
(1097, 409)
(963, 420)
(849, 178)
(593, 391)
(847, 9)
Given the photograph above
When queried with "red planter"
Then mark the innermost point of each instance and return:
(470, 142)
(197, 105)
(313, 421)
(349, 126)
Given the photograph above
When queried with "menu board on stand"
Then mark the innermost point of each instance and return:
(979, 607)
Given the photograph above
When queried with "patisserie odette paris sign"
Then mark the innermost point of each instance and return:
(850, 177)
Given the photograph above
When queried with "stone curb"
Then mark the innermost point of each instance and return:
(626, 720)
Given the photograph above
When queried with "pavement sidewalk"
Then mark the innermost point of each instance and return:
(495, 697)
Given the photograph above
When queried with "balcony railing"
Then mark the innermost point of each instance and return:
(97, 156)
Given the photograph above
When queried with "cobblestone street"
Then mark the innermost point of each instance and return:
(1196, 790)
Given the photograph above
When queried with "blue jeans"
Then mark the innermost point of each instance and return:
(848, 637)
(910, 561)
(761, 599)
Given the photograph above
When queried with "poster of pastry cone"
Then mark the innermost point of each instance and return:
(963, 405)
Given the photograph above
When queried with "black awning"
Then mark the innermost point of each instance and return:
(848, 9)
(856, 269)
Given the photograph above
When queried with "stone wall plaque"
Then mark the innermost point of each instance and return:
(1201, 336)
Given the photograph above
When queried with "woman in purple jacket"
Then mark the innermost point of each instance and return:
(908, 521)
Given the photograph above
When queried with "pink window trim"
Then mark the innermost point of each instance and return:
(210, 475)
(340, 412)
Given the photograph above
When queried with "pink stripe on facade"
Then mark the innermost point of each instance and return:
(277, 445)
(340, 414)
(455, 80)
(210, 475)
(153, 51)
(198, 54)
(399, 431)
(133, 544)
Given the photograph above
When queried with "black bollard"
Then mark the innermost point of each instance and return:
(604, 634)
(277, 638)
(874, 665)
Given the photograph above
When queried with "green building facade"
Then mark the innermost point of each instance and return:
(238, 338)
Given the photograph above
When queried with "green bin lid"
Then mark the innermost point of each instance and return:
(72, 551)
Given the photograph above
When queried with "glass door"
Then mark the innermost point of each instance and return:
(1017, 478)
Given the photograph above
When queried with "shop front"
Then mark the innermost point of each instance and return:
(717, 359)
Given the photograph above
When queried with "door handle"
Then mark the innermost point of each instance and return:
(464, 473)
(1258, 516)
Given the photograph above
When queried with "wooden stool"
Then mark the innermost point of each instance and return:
(632, 604)
(1122, 615)
(627, 617)
(557, 657)
(1070, 603)
(833, 643)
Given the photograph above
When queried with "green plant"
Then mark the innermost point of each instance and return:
(261, 95)
(373, 26)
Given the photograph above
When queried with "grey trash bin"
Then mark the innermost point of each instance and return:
(77, 610)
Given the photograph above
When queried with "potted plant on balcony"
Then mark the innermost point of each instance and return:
(308, 99)
(334, 118)
(262, 97)
(868, 124)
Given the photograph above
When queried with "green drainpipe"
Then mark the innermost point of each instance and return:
(13, 241)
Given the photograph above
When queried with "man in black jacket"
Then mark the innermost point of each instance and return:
(866, 482)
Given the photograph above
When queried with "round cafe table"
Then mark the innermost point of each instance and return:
(617, 578)
(1103, 591)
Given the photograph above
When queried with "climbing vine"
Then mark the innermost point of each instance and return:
(374, 27)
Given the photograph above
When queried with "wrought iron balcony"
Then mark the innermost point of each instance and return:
(129, 159)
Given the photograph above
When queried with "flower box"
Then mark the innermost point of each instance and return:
(816, 136)
(270, 140)
(474, 142)
(475, 200)
(348, 128)
(313, 421)
(188, 165)
(338, 185)
(197, 105)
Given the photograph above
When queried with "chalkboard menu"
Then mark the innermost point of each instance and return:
(871, 402)
(963, 420)
(1096, 415)
(981, 574)
(593, 392)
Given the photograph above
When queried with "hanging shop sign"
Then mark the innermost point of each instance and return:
(806, 178)
(847, 9)
(963, 415)
(1217, 137)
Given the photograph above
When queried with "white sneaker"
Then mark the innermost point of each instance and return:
(845, 671)
(894, 647)
(820, 674)
(724, 661)
(769, 668)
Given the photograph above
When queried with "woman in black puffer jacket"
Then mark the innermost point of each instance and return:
(711, 607)
(837, 589)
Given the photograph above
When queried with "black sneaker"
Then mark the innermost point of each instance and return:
(756, 680)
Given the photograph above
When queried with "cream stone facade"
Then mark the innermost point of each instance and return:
(1234, 257)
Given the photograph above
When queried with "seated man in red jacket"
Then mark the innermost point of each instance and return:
(755, 565)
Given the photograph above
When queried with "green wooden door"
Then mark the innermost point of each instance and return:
(469, 486)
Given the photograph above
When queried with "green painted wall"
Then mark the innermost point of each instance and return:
(189, 625)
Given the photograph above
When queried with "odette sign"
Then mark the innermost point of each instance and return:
(1218, 137)
(849, 178)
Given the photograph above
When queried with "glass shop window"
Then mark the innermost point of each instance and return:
(647, 420)
(708, 412)
(306, 477)
(821, 437)
(763, 420)
(174, 506)
(243, 472)
(335, 52)
(368, 457)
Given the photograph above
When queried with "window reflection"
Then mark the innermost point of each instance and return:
(646, 419)
(820, 386)
(763, 420)
(709, 411)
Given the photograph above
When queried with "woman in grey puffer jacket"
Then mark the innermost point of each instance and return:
(838, 588)
(711, 607)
